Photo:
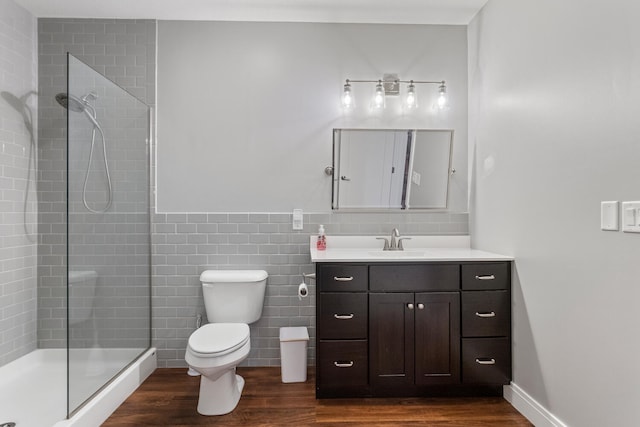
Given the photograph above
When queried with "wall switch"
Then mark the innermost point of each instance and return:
(298, 223)
(609, 216)
(631, 217)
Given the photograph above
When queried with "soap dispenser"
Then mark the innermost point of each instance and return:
(322, 239)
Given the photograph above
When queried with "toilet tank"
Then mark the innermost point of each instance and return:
(233, 296)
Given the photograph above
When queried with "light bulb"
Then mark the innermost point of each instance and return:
(378, 97)
(442, 97)
(347, 97)
(411, 101)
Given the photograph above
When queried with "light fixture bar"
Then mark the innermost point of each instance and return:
(390, 86)
(439, 82)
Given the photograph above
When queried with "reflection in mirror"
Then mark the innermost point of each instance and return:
(391, 169)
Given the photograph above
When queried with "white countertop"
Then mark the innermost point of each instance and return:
(419, 248)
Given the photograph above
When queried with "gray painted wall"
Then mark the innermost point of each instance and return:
(246, 123)
(246, 110)
(18, 229)
(554, 131)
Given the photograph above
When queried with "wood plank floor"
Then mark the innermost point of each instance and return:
(169, 398)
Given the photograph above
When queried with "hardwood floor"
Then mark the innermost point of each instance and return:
(169, 398)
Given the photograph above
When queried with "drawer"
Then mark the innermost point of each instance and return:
(486, 314)
(342, 315)
(486, 360)
(342, 277)
(414, 277)
(486, 275)
(342, 363)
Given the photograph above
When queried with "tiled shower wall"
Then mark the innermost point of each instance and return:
(187, 244)
(123, 51)
(18, 229)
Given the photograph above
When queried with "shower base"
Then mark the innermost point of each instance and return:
(33, 388)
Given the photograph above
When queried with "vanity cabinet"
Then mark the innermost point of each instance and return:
(412, 328)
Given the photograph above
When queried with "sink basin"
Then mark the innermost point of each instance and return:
(397, 254)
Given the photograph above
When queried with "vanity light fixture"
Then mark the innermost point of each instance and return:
(442, 96)
(379, 96)
(347, 97)
(389, 86)
(411, 100)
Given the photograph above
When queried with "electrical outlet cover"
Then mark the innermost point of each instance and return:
(609, 216)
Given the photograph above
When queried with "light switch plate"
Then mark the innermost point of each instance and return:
(631, 217)
(609, 216)
(297, 223)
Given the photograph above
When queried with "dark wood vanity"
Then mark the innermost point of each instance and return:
(413, 328)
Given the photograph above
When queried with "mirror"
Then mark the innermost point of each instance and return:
(381, 169)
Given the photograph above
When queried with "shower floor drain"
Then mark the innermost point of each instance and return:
(8, 425)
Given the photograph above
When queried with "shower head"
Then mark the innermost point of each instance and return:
(70, 102)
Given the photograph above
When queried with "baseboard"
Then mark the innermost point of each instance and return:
(530, 408)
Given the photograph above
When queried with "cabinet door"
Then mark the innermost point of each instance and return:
(391, 345)
(437, 338)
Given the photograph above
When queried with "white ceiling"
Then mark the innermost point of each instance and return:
(450, 12)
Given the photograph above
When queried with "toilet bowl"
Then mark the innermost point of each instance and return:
(232, 300)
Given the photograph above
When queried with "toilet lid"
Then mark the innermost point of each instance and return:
(219, 338)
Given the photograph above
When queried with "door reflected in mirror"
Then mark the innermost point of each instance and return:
(391, 169)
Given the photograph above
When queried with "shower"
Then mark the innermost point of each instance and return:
(83, 105)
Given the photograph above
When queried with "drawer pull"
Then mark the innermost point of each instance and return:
(343, 364)
(486, 361)
(490, 314)
(486, 277)
(343, 316)
(343, 279)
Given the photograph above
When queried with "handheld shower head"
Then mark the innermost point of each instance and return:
(74, 104)
(83, 105)
(70, 102)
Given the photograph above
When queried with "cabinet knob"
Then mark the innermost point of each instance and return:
(420, 306)
(410, 306)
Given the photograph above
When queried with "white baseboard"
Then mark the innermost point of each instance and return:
(530, 408)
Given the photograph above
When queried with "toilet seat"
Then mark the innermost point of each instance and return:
(218, 339)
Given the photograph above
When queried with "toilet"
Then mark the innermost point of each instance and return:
(232, 299)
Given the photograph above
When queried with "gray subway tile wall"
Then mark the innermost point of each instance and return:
(123, 51)
(18, 206)
(183, 244)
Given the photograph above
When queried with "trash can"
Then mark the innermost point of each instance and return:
(293, 354)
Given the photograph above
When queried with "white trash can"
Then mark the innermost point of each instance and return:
(293, 354)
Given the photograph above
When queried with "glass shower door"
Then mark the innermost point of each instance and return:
(108, 218)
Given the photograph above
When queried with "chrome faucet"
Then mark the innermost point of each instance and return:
(395, 243)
